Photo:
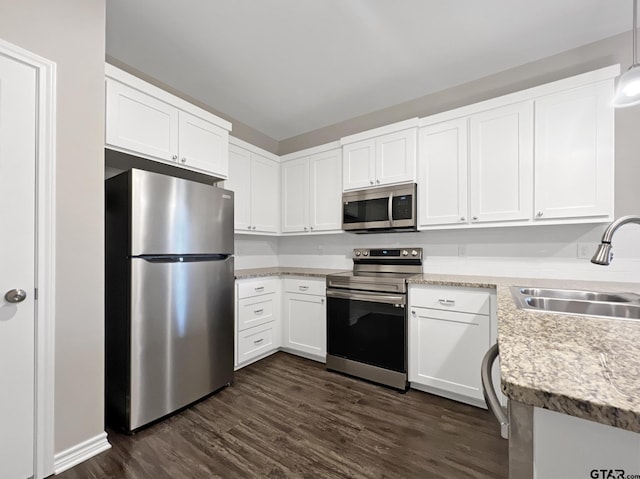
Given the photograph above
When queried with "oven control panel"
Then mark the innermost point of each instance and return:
(394, 253)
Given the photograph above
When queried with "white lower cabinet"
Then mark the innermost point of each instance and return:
(257, 319)
(450, 330)
(305, 318)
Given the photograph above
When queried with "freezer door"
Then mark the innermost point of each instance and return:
(175, 216)
(181, 334)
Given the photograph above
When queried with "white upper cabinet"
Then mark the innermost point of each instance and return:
(574, 148)
(239, 182)
(295, 195)
(255, 180)
(380, 157)
(442, 173)
(312, 193)
(543, 155)
(325, 200)
(141, 123)
(203, 145)
(265, 194)
(359, 164)
(146, 121)
(501, 163)
(396, 157)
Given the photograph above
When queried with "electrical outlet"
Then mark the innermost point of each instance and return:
(586, 250)
(462, 250)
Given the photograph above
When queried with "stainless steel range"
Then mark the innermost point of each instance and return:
(367, 315)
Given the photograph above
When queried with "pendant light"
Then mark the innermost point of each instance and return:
(628, 92)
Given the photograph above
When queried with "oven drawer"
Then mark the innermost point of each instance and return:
(256, 341)
(247, 289)
(305, 286)
(255, 311)
(466, 300)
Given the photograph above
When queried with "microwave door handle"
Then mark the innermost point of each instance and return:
(390, 209)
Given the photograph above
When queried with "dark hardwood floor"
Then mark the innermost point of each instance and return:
(286, 416)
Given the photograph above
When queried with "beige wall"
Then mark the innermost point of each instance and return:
(71, 33)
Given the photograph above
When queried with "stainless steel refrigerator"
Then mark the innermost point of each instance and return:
(169, 295)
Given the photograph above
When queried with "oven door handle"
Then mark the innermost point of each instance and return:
(395, 299)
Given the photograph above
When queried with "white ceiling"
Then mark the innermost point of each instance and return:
(286, 67)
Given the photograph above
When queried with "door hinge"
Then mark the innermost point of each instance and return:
(35, 294)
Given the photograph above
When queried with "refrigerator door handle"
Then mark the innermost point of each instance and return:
(182, 258)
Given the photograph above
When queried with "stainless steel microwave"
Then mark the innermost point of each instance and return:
(377, 210)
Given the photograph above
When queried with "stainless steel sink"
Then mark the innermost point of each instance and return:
(576, 302)
(580, 295)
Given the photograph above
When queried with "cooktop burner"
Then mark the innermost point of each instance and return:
(379, 270)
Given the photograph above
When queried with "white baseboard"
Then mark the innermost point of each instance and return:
(80, 452)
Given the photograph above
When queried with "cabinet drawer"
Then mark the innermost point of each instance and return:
(466, 300)
(255, 341)
(255, 288)
(305, 286)
(255, 311)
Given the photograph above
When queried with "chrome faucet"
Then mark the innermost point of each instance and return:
(603, 254)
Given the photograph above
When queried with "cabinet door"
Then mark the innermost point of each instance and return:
(574, 153)
(240, 183)
(265, 194)
(358, 164)
(325, 201)
(203, 145)
(442, 178)
(295, 195)
(501, 163)
(140, 123)
(305, 324)
(446, 350)
(396, 157)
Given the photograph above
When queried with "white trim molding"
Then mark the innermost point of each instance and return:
(45, 255)
(80, 452)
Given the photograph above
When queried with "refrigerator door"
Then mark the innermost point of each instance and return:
(181, 333)
(175, 216)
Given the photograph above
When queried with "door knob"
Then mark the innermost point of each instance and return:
(15, 295)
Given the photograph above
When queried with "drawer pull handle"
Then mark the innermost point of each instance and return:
(258, 311)
(447, 302)
(258, 341)
(303, 288)
(259, 289)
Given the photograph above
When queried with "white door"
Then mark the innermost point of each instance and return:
(17, 267)
(325, 201)
(239, 182)
(443, 173)
(396, 157)
(359, 164)
(305, 323)
(265, 194)
(295, 195)
(574, 153)
(140, 123)
(501, 163)
(203, 145)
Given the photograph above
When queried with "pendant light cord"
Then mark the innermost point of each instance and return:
(635, 32)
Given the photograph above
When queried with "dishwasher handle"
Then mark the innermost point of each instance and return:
(490, 395)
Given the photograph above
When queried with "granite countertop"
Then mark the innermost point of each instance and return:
(284, 271)
(583, 366)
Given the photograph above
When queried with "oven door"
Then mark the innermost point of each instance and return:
(369, 328)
